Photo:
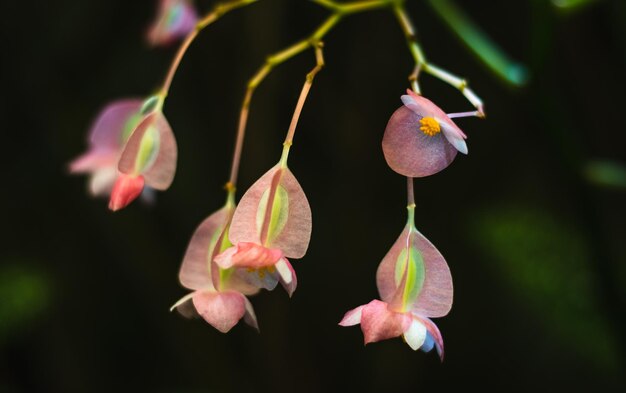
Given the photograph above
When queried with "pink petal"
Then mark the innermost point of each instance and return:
(102, 181)
(379, 323)
(126, 189)
(222, 310)
(435, 297)
(433, 330)
(409, 151)
(185, 306)
(252, 222)
(94, 159)
(250, 317)
(160, 166)
(195, 271)
(175, 19)
(386, 273)
(112, 122)
(422, 106)
(352, 317)
(287, 276)
(453, 136)
(249, 255)
(404, 260)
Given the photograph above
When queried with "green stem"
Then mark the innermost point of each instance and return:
(421, 64)
(410, 202)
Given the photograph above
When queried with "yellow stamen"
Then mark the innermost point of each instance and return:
(430, 126)
(271, 268)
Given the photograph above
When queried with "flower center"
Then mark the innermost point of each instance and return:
(430, 126)
(261, 272)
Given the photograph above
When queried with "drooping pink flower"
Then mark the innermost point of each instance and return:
(421, 139)
(148, 157)
(271, 223)
(106, 140)
(414, 284)
(174, 20)
(380, 322)
(131, 145)
(218, 295)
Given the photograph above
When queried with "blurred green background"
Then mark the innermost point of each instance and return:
(532, 222)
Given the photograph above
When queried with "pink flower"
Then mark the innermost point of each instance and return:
(414, 284)
(261, 267)
(379, 322)
(130, 145)
(107, 137)
(149, 157)
(175, 19)
(271, 223)
(218, 295)
(420, 139)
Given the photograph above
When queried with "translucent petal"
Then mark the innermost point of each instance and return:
(415, 335)
(220, 309)
(436, 294)
(433, 332)
(112, 122)
(422, 105)
(248, 255)
(274, 212)
(379, 323)
(102, 180)
(175, 19)
(250, 317)
(352, 317)
(454, 137)
(429, 343)
(94, 159)
(151, 151)
(195, 271)
(409, 151)
(287, 276)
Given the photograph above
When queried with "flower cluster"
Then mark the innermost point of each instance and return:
(239, 250)
(243, 248)
(414, 281)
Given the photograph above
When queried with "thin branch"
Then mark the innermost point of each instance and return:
(422, 64)
(218, 11)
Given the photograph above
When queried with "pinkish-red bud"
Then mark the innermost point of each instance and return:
(126, 189)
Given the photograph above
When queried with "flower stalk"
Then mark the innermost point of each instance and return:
(421, 64)
(218, 11)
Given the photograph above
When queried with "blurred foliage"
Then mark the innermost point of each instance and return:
(480, 44)
(24, 293)
(569, 5)
(546, 261)
(606, 173)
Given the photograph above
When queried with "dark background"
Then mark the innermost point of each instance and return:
(532, 234)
